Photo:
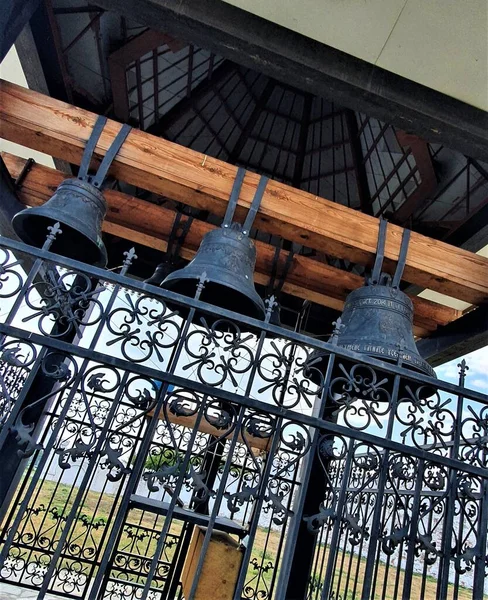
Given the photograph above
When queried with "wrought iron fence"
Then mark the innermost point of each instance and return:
(142, 432)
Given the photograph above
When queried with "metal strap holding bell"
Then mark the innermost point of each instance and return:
(176, 240)
(277, 281)
(377, 274)
(234, 197)
(273, 287)
(107, 160)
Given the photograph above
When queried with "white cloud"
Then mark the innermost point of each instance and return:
(477, 374)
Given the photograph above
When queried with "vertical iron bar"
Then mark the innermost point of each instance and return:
(308, 499)
(103, 574)
(375, 526)
(414, 526)
(445, 559)
(227, 467)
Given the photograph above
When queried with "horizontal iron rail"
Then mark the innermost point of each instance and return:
(161, 508)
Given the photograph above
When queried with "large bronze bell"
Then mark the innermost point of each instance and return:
(227, 256)
(78, 205)
(377, 320)
(80, 208)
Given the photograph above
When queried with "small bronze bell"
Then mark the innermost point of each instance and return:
(377, 320)
(228, 258)
(80, 208)
(78, 205)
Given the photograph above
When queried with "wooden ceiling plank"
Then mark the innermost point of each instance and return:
(152, 163)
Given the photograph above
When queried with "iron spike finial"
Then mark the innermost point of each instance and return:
(53, 232)
(130, 257)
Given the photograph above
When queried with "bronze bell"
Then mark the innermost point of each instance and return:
(80, 208)
(377, 320)
(78, 205)
(228, 258)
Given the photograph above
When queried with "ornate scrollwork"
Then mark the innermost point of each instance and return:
(97, 383)
(16, 359)
(11, 279)
(294, 444)
(285, 370)
(257, 587)
(429, 422)
(474, 435)
(68, 300)
(61, 369)
(220, 353)
(331, 449)
(143, 327)
(140, 395)
(361, 396)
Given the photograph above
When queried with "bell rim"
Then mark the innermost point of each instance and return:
(173, 278)
(37, 211)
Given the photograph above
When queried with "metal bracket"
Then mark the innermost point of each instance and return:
(380, 252)
(111, 153)
(275, 290)
(402, 259)
(234, 197)
(256, 202)
(23, 174)
(175, 242)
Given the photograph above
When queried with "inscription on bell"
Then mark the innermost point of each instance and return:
(383, 302)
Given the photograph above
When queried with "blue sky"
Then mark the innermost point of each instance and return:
(476, 376)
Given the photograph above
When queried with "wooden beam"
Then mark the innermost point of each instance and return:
(62, 130)
(456, 339)
(314, 67)
(150, 225)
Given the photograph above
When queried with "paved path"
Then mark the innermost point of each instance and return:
(13, 592)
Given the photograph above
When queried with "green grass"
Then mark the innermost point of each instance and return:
(58, 500)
